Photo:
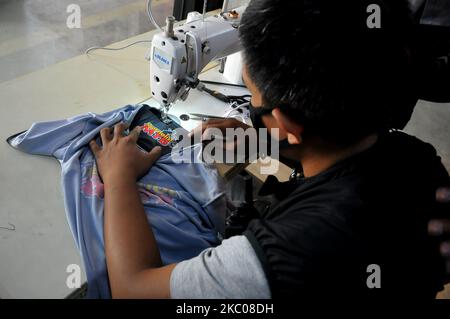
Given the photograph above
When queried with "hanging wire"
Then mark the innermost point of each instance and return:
(205, 3)
(152, 20)
(150, 15)
(116, 49)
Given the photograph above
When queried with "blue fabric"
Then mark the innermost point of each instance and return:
(183, 202)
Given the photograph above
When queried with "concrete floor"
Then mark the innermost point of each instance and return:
(33, 35)
(431, 123)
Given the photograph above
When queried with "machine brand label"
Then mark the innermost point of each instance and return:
(161, 59)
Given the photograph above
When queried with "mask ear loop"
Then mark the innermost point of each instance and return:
(261, 110)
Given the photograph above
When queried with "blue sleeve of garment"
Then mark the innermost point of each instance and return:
(184, 202)
(54, 138)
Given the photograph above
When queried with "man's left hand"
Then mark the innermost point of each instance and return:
(120, 157)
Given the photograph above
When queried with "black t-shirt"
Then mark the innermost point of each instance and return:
(372, 208)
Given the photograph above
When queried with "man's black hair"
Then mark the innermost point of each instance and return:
(323, 66)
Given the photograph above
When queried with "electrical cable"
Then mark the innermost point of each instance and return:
(205, 3)
(150, 15)
(238, 99)
(116, 49)
(152, 20)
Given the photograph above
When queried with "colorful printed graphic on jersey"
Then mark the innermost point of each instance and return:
(162, 137)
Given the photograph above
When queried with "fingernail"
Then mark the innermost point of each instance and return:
(435, 228)
(443, 195)
(445, 249)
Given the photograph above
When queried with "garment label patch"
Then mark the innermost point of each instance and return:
(162, 137)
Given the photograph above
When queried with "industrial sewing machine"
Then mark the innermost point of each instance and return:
(179, 54)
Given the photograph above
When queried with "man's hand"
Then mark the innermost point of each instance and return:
(221, 124)
(119, 157)
(235, 147)
(441, 227)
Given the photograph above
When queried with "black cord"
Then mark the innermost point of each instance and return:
(239, 99)
(223, 83)
(239, 96)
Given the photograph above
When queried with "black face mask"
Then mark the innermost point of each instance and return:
(256, 114)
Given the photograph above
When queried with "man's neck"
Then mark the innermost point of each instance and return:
(315, 160)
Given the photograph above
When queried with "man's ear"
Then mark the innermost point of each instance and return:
(292, 129)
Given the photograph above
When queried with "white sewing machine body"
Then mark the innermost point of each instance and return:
(179, 54)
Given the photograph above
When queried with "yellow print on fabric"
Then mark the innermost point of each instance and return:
(157, 193)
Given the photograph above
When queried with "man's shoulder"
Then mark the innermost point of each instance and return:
(400, 164)
(400, 141)
(411, 160)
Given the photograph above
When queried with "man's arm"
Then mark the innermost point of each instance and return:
(132, 256)
(231, 270)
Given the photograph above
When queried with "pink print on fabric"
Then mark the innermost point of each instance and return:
(91, 185)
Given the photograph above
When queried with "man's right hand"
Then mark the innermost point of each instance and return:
(221, 124)
(235, 146)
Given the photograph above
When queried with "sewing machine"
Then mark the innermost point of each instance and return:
(179, 54)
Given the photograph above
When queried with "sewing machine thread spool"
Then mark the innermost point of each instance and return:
(170, 20)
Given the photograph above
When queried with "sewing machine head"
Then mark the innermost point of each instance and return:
(180, 53)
